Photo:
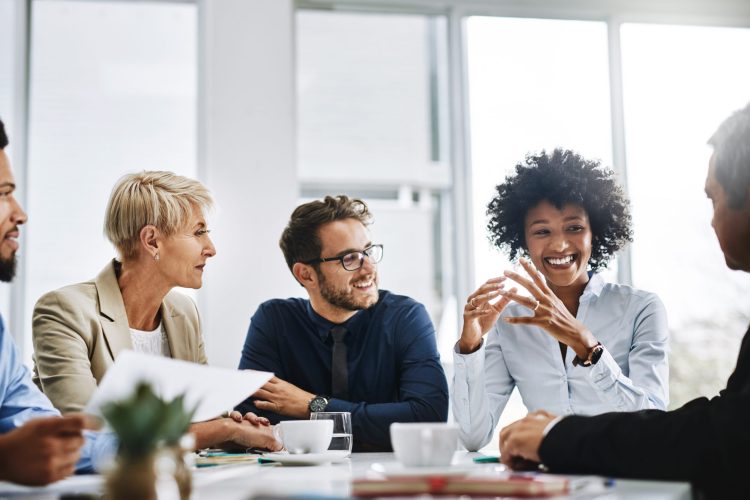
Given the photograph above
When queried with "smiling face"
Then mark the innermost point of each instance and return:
(732, 227)
(183, 255)
(11, 216)
(559, 243)
(341, 290)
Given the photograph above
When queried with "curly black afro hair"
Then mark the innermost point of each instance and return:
(561, 178)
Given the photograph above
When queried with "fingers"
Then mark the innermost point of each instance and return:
(275, 446)
(264, 394)
(526, 283)
(256, 420)
(499, 306)
(71, 444)
(490, 285)
(521, 320)
(266, 405)
(235, 415)
(71, 424)
(529, 302)
(90, 422)
(535, 274)
(473, 313)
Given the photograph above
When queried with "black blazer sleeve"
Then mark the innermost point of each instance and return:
(706, 442)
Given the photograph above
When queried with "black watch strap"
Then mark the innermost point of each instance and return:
(594, 355)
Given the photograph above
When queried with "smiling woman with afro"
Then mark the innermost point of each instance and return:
(573, 344)
(561, 178)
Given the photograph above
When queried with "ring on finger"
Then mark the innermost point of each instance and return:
(536, 306)
(471, 302)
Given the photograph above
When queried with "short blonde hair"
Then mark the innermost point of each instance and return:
(162, 199)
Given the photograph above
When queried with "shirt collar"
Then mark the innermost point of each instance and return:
(594, 287)
(323, 326)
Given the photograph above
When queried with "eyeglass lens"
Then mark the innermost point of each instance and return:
(353, 261)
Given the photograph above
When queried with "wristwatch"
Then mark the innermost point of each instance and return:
(318, 403)
(594, 354)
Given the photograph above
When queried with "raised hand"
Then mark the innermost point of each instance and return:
(549, 312)
(480, 314)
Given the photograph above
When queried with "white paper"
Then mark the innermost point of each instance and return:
(214, 390)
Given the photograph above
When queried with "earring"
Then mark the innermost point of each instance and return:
(156, 256)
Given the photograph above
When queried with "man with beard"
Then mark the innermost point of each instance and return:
(37, 445)
(350, 347)
(706, 441)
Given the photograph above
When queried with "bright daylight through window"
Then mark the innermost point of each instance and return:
(103, 103)
(680, 82)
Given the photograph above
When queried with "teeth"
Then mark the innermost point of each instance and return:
(363, 285)
(560, 262)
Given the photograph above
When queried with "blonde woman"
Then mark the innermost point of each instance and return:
(156, 221)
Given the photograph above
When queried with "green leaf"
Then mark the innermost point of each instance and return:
(144, 421)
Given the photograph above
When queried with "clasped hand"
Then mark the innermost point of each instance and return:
(279, 396)
(520, 441)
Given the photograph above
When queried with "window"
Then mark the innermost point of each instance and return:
(680, 82)
(7, 58)
(533, 84)
(7, 82)
(104, 102)
(370, 98)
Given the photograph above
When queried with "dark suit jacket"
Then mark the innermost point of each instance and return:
(706, 442)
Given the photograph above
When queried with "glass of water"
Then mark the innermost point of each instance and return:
(342, 430)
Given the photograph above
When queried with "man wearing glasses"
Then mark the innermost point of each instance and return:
(350, 347)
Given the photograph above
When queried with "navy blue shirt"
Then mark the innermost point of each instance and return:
(394, 367)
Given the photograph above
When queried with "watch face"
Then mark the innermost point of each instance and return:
(318, 404)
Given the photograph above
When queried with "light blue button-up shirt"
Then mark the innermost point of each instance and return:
(21, 401)
(632, 373)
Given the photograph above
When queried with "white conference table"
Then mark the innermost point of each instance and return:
(333, 480)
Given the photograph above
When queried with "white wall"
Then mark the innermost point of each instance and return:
(246, 157)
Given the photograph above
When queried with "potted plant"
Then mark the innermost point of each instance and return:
(145, 424)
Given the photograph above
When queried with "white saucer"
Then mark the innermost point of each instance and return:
(395, 469)
(327, 457)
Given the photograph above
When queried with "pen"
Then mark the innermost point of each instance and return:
(487, 460)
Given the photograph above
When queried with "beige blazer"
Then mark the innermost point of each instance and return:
(79, 330)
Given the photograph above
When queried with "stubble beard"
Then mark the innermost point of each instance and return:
(344, 299)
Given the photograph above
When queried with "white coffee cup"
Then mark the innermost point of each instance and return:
(304, 436)
(423, 444)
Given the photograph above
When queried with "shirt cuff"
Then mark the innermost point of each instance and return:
(337, 405)
(552, 423)
(471, 364)
(605, 372)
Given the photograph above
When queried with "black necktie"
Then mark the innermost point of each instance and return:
(339, 370)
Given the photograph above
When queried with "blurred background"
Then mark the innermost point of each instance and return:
(420, 107)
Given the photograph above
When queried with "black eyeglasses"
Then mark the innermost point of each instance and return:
(354, 260)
